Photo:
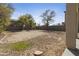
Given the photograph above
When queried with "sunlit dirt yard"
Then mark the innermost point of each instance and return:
(51, 43)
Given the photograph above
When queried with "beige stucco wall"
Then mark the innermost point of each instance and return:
(71, 24)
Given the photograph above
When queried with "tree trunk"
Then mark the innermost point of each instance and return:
(47, 25)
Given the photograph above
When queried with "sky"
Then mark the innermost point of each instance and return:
(36, 9)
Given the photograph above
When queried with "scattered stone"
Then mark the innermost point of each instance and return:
(38, 53)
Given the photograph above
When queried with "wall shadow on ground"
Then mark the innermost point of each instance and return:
(75, 51)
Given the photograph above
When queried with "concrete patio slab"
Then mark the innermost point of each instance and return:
(72, 52)
(67, 53)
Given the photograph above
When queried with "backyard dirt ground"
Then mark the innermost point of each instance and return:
(12, 37)
(50, 42)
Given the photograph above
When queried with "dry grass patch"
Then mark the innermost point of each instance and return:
(19, 46)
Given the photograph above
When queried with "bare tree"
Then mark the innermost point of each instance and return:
(47, 17)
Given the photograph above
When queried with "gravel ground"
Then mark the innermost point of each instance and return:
(51, 43)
